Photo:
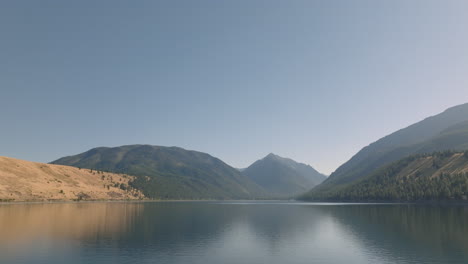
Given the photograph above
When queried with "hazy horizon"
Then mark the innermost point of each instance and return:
(314, 81)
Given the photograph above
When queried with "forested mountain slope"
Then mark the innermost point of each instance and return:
(441, 176)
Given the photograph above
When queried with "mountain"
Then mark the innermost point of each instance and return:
(283, 177)
(170, 172)
(437, 176)
(22, 180)
(445, 131)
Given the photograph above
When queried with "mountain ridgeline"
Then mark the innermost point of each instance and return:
(445, 131)
(282, 177)
(170, 172)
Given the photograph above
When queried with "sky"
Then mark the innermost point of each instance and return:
(314, 81)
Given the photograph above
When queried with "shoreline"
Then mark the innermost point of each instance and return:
(133, 201)
(241, 201)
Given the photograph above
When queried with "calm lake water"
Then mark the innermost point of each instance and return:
(231, 232)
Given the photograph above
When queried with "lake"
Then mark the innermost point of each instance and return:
(232, 232)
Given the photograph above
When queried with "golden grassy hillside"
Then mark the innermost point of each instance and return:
(22, 180)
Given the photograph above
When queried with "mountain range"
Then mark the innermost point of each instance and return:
(424, 161)
(170, 172)
(176, 173)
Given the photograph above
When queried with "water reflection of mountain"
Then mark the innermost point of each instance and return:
(169, 226)
(24, 222)
(172, 223)
(436, 234)
(276, 224)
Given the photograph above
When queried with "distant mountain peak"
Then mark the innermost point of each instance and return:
(283, 176)
(272, 155)
(286, 161)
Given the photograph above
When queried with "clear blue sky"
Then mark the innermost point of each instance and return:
(311, 80)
